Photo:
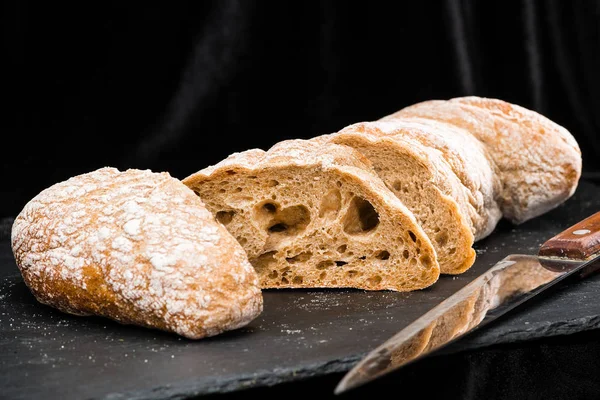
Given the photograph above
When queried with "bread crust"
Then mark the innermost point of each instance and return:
(538, 161)
(137, 247)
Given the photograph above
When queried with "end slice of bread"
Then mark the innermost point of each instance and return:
(317, 215)
(533, 181)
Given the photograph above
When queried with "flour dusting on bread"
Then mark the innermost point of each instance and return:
(138, 247)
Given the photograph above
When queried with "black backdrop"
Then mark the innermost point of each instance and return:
(179, 86)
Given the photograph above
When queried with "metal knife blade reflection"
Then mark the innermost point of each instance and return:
(509, 283)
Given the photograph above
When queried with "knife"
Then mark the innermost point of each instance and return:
(512, 281)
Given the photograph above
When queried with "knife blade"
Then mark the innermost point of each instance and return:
(511, 282)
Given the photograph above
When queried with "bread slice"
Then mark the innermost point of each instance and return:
(538, 161)
(137, 247)
(469, 161)
(317, 215)
(420, 177)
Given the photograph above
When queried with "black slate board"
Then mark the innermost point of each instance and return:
(301, 333)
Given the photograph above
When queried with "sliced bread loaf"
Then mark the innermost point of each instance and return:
(317, 215)
(420, 177)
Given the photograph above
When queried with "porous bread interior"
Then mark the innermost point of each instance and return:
(412, 181)
(306, 227)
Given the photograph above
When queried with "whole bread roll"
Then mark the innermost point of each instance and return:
(137, 247)
(317, 215)
(538, 161)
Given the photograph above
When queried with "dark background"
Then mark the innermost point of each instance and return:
(179, 86)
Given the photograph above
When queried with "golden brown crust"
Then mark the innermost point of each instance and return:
(137, 247)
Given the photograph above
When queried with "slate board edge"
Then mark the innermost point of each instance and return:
(184, 390)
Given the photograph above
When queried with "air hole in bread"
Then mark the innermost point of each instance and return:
(197, 193)
(280, 227)
(290, 220)
(331, 204)
(273, 182)
(269, 208)
(374, 280)
(238, 189)
(383, 255)
(322, 275)
(342, 249)
(413, 237)
(230, 172)
(225, 217)
(281, 223)
(352, 273)
(441, 238)
(297, 280)
(302, 257)
(452, 250)
(340, 263)
(405, 254)
(273, 274)
(397, 185)
(264, 261)
(362, 258)
(425, 260)
(252, 177)
(284, 280)
(325, 264)
(361, 217)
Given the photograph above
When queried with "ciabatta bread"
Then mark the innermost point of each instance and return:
(538, 161)
(422, 179)
(137, 247)
(317, 215)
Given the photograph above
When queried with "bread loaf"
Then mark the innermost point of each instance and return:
(538, 161)
(317, 215)
(137, 247)
(422, 179)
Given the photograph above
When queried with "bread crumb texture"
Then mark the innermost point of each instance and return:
(137, 247)
(313, 214)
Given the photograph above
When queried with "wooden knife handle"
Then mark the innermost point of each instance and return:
(578, 242)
